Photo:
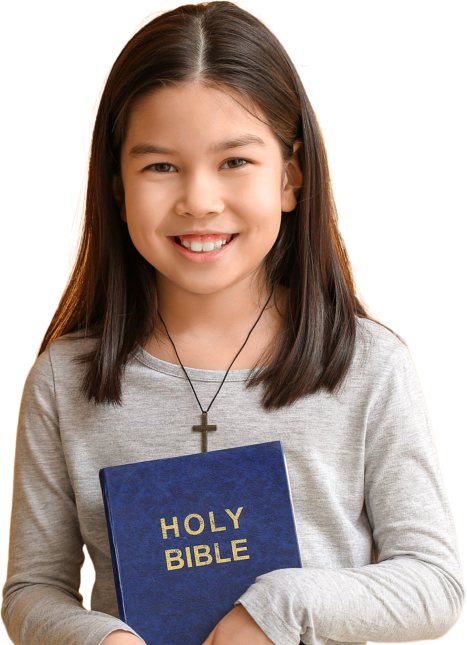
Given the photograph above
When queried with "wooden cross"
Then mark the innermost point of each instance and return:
(204, 428)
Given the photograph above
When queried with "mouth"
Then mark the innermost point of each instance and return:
(204, 243)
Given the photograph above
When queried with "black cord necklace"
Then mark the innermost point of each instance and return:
(204, 427)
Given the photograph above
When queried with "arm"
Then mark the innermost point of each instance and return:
(121, 637)
(415, 591)
(42, 604)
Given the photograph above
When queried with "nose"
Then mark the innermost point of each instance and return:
(200, 196)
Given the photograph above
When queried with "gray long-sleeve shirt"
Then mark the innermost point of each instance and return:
(361, 463)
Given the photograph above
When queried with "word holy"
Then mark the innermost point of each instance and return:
(201, 552)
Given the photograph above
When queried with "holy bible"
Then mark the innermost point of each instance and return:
(188, 535)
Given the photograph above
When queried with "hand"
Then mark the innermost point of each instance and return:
(237, 628)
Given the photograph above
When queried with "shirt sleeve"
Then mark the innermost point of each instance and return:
(415, 590)
(41, 600)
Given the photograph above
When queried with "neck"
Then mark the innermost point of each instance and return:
(209, 329)
(210, 316)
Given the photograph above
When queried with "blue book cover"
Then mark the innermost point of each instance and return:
(188, 535)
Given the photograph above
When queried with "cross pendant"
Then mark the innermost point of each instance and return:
(204, 428)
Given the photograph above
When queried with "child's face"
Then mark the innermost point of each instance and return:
(193, 189)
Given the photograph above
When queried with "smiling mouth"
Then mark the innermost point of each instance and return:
(204, 243)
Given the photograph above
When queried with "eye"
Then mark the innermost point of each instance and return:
(159, 167)
(236, 165)
(163, 167)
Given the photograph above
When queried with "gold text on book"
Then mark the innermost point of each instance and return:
(194, 524)
(202, 555)
(192, 529)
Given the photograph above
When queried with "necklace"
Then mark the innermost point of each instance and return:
(204, 427)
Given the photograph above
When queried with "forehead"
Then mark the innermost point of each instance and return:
(193, 113)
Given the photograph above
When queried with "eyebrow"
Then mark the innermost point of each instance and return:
(244, 140)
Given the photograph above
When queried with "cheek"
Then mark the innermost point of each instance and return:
(144, 210)
(260, 202)
(268, 216)
(143, 219)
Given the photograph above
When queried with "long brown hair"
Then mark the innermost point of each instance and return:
(111, 293)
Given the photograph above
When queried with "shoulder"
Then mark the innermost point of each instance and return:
(70, 347)
(372, 335)
(59, 362)
(381, 360)
(378, 350)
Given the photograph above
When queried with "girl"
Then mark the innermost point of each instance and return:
(212, 276)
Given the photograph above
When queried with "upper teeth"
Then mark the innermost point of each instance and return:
(203, 246)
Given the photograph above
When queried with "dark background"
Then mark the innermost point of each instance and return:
(373, 89)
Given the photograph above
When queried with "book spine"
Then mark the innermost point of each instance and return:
(113, 545)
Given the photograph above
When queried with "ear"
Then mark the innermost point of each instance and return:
(119, 194)
(293, 179)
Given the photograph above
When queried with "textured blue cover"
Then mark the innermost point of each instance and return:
(181, 606)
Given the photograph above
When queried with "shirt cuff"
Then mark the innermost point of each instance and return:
(264, 605)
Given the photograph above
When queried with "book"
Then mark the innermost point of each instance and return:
(188, 535)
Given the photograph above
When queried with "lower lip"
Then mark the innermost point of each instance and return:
(201, 257)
